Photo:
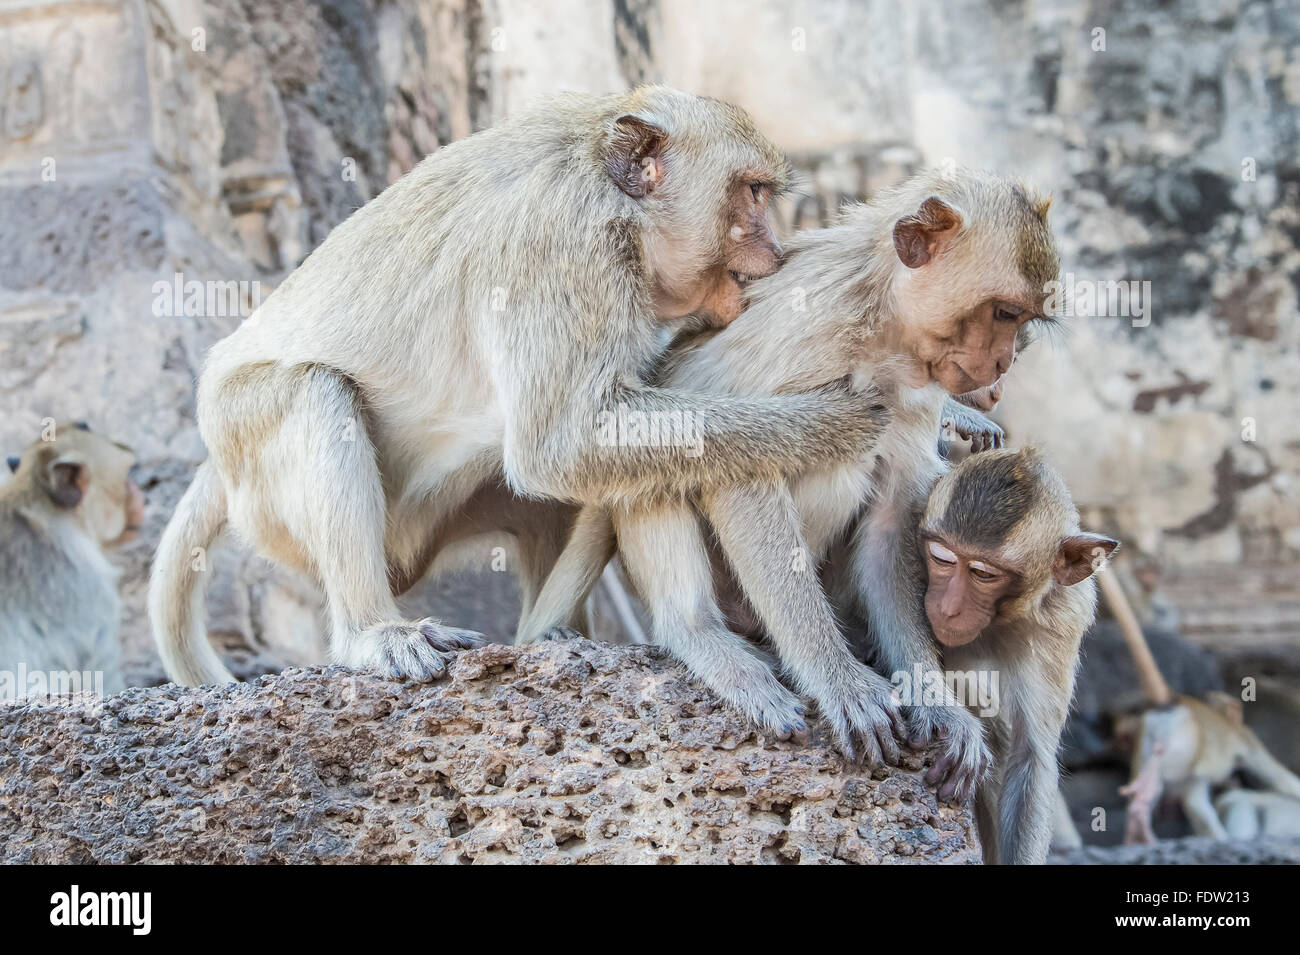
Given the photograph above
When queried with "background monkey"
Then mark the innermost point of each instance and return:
(925, 289)
(473, 321)
(1249, 814)
(1009, 591)
(69, 501)
(1188, 747)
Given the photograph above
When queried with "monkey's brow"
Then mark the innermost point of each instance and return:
(968, 551)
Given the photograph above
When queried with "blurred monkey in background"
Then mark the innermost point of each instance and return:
(1188, 748)
(70, 502)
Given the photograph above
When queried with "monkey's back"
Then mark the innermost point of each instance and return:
(60, 608)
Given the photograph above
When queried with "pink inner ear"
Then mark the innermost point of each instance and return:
(938, 217)
(911, 242)
(1080, 556)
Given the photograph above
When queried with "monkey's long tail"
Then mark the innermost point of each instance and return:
(176, 605)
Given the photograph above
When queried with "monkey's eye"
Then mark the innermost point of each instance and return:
(1007, 313)
(756, 190)
(941, 554)
(983, 571)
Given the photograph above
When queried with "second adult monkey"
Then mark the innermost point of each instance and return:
(474, 320)
(921, 292)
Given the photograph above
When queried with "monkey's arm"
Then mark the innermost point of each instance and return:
(882, 576)
(635, 443)
(1030, 776)
(760, 532)
(1264, 768)
(664, 552)
(964, 422)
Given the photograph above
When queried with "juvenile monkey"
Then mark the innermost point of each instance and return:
(70, 501)
(1009, 591)
(922, 291)
(475, 320)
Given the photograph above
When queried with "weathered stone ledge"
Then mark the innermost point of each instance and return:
(567, 752)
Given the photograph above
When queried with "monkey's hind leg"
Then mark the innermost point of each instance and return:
(665, 557)
(560, 599)
(319, 494)
(1260, 765)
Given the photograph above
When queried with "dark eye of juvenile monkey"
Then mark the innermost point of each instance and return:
(756, 190)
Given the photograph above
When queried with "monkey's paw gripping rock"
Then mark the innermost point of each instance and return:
(567, 751)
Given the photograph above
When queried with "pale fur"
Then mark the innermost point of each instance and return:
(58, 590)
(841, 306)
(1032, 645)
(464, 327)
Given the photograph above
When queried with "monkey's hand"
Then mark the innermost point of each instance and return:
(421, 650)
(963, 758)
(965, 423)
(861, 410)
(862, 708)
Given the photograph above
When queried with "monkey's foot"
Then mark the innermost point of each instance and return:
(964, 757)
(560, 633)
(762, 700)
(862, 709)
(420, 651)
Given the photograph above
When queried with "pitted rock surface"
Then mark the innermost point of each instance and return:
(567, 752)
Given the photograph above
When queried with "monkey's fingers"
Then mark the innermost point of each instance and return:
(561, 633)
(888, 743)
(447, 639)
(843, 736)
(941, 769)
(869, 756)
(800, 735)
(888, 731)
(921, 729)
(457, 639)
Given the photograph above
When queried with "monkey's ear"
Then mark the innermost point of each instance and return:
(13, 461)
(634, 155)
(1080, 556)
(65, 481)
(918, 237)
